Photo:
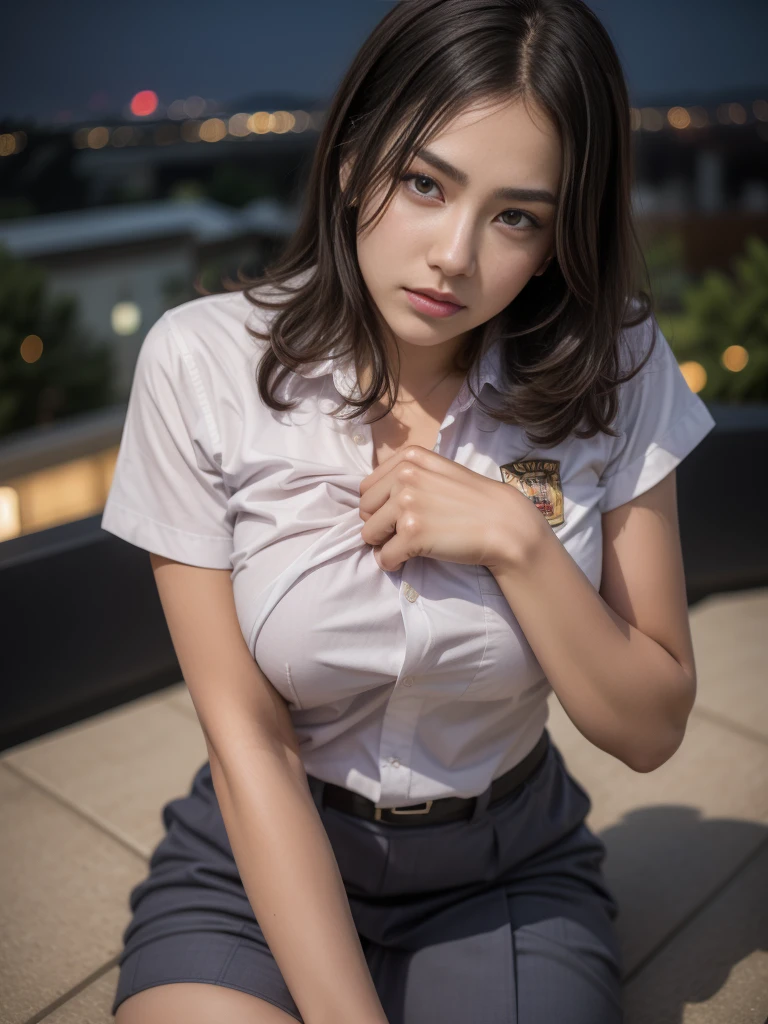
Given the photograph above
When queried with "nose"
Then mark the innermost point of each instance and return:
(454, 246)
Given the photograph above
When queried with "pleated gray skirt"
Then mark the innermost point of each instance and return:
(501, 919)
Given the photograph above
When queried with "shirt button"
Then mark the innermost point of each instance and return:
(408, 681)
(410, 593)
(359, 438)
(394, 762)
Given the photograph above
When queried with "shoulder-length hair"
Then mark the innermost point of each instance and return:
(561, 337)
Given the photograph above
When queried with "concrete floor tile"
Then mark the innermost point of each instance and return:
(64, 887)
(91, 1006)
(716, 968)
(673, 835)
(178, 697)
(729, 641)
(119, 767)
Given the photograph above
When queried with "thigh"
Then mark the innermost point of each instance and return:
(565, 969)
(198, 1004)
(501, 958)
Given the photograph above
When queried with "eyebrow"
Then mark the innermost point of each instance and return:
(525, 195)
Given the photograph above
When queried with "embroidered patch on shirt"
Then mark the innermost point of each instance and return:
(539, 480)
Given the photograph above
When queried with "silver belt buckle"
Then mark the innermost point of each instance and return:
(402, 810)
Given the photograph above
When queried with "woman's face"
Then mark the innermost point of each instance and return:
(447, 228)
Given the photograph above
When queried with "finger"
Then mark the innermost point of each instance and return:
(394, 554)
(411, 453)
(406, 473)
(382, 524)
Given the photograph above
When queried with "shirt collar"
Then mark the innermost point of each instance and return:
(487, 371)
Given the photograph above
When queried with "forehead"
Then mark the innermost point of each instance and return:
(488, 137)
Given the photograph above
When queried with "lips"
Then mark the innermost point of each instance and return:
(447, 297)
(432, 307)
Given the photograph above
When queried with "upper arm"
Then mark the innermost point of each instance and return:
(237, 706)
(643, 579)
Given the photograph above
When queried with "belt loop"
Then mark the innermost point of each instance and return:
(481, 803)
(317, 789)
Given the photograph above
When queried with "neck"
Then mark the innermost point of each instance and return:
(422, 369)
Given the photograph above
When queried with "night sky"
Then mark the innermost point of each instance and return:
(73, 60)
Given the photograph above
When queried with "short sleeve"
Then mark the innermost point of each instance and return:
(660, 421)
(167, 494)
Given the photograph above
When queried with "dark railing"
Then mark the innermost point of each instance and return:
(83, 629)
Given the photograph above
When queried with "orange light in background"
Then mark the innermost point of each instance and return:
(144, 103)
(679, 117)
(10, 513)
(31, 348)
(238, 125)
(635, 119)
(282, 121)
(7, 145)
(259, 123)
(695, 375)
(735, 358)
(60, 494)
(98, 137)
(213, 130)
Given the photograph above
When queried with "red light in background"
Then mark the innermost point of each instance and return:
(144, 103)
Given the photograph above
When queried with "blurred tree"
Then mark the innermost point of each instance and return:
(722, 312)
(235, 185)
(664, 257)
(186, 188)
(63, 373)
(16, 206)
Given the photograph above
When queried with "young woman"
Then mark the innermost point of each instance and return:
(396, 492)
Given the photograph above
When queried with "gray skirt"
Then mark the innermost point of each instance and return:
(504, 918)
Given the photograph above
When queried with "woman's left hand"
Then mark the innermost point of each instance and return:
(417, 502)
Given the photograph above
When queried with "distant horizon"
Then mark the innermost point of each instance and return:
(273, 100)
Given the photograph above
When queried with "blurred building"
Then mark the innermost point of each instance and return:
(127, 264)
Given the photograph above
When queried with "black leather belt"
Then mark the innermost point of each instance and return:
(449, 808)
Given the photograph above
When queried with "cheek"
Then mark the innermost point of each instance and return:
(506, 277)
(379, 245)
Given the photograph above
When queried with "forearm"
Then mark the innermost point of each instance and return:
(294, 886)
(621, 688)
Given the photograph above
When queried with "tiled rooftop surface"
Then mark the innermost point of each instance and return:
(687, 844)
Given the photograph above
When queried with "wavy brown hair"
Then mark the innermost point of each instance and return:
(561, 335)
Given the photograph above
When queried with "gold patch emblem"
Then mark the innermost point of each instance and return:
(539, 480)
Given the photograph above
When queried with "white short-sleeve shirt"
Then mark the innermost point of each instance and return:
(402, 686)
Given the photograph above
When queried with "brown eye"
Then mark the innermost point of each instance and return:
(532, 222)
(414, 182)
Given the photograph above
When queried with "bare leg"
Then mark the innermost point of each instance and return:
(193, 1003)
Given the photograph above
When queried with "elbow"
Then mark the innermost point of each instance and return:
(651, 757)
(666, 741)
